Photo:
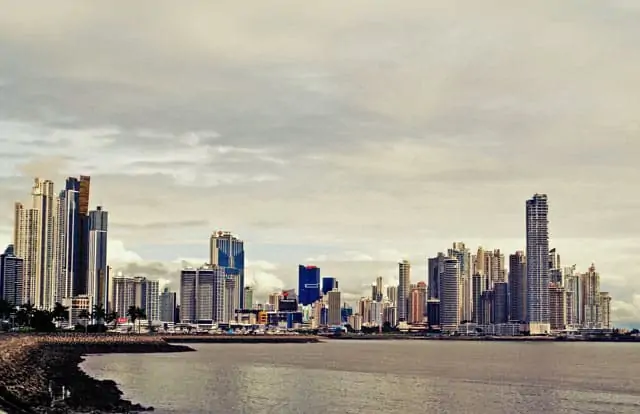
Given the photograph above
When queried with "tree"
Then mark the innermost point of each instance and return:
(60, 313)
(99, 314)
(5, 309)
(112, 317)
(134, 313)
(84, 314)
(24, 315)
(42, 321)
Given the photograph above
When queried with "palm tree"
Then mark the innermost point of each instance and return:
(60, 313)
(99, 314)
(84, 314)
(134, 313)
(5, 308)
(26, 313)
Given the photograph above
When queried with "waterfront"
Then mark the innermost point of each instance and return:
(382, 376)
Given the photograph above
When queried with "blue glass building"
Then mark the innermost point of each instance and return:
(308, 284)
(227, 251)
(70, 271)
(11, 268)
(328, 284)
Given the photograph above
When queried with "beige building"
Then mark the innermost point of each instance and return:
(591, 298)
(557, 307)
(335, 305)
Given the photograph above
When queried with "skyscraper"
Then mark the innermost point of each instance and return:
(248, 297)
(517, 287)
(460, 252)
(450, 295)
(417, 301)
(34, 241)
(68, 240)
(80, 282)
(335, 316)
(328, 284)
(308, 284)
(202, 295)
(537, 228)
(434, 271)
(97, 272)
(11, 271)
(591, 298)
(167, 305)
(404, 273)
(227, 251)
(136, 291)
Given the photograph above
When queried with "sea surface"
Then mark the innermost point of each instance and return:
(382, 377)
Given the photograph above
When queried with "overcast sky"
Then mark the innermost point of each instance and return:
(347, 134)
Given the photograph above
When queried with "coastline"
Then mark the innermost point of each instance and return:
(405, 337)
(41, 373)
(240, 339)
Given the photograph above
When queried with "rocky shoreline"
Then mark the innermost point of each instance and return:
(41, 374)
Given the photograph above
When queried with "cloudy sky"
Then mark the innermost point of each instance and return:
(348, 134)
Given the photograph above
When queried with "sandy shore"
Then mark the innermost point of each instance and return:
(37, 370)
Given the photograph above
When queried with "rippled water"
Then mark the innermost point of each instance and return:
(382, 377)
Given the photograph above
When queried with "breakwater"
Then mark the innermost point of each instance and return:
(241, 339)
(41, 374)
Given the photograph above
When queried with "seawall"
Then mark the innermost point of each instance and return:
(36, 371)
(241, 339)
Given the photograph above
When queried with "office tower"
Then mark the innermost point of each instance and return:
(11, 275)
(573, 291)
(591, 298)
(605, 310)
(417, 301)
(450, 295)
(227, 251)
(308, 284)
(97, 272)
(501, 302)
(68, 240)
(404, 272)
(434, 272)
(364, 308)
(498, 272)
(392, 294)
(328, 284)
(376, 316)
(555, 271)
(80, 282)
(140, 292)
(202, 295)
(557, 307)
(379, 290)
(478, 288)
(167, 306)
(460, 252)
(518, 287)
(487, 314)
(537, 227)
(335, 316)
(248, 297)
(231, 303)
(479, 262)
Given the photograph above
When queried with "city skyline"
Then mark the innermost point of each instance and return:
(346, 143)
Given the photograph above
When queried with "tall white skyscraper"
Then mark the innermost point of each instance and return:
(537, 227)
(460, 252)
(404, 288)
(97, 272)
(27, 247)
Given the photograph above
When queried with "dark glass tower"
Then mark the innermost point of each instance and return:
(226, 250)
(308, 284)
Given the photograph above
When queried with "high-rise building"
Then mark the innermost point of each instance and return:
(605, 310)
(80, 282)
(479, 286)
(591, 298)
(417, 302)
(518, 287)
(231, 303)
(274, 301)
(450, 295)
(248, 297)
(392, 294)
(557, 306)
(167, 306)
(573, 291)
(379, 293)
(328, 284)
(460, 252)
(135, 291)
(97, 272)
(500, 302)
(434, 272)
(335, 315)
(68, 257)
(537, 227)
(555, 270)
(202, 295)
(404, 272)
(11, 273)
(308, 284)
(227, 251)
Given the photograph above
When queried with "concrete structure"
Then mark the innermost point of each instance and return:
(450, 295)
(558, 306)
(518, 287)
(334, 316)
(227, 251)
(11, 275)
(537, 231)
(135, 291)
(434, 273)
(605, 310)
(308, 284)
(417, 302)
(591, 298)
(404, 273)
(97, 271)
(167, 306)
(248, 297)
(460, 252)
(68, 237)
(500, 303)
(202, 295)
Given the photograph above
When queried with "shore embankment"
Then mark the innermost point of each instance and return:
(41, 374)
(240, 339)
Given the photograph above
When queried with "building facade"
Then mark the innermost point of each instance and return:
(537, 231)
(167, 306)
(11, 275)
(98, 272)
(227, 251)
(308, 284)
(450, 295)
(202, 295)
(404, 286)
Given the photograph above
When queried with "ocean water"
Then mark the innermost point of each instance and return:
(382, 377)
